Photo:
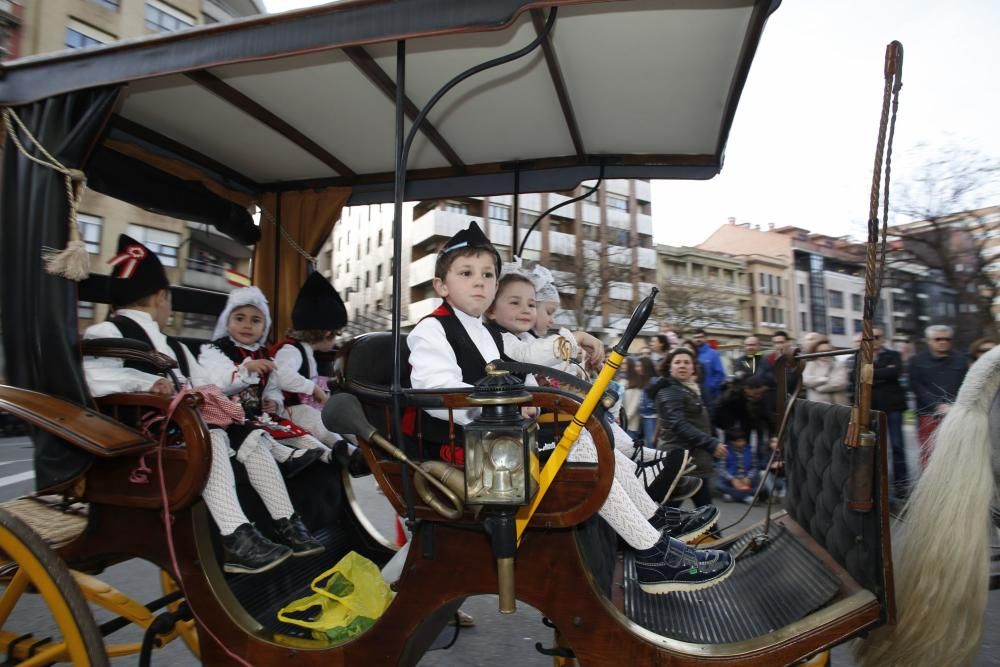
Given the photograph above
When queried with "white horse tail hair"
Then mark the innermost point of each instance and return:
(942, 559)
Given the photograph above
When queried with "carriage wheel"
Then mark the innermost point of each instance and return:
(29, 566)
(186, 629)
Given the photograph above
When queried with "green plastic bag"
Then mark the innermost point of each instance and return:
(347, 600)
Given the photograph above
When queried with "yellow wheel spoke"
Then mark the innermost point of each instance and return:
(47, 655)
(15, 589)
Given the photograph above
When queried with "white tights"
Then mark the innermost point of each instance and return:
(627, 507)
(220, 488)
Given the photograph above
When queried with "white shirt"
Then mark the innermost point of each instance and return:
(233, 378)
(288, 360)
(434, 364)
(109, 376)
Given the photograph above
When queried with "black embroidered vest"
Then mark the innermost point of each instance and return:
(132, 330)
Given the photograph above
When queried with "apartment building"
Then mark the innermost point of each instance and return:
(706, 290)
(599, 249)
(193, 255)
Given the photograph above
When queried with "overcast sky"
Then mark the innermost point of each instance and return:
(803, 140)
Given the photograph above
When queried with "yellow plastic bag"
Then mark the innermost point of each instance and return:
(347, 600)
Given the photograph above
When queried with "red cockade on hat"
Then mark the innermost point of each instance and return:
(132, 255)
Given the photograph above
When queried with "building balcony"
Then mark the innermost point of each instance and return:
(438, 223)
(422, 270)
(708, 285)
(205, 276)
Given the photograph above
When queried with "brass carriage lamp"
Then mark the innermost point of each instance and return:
(501, 467)
(501, 447)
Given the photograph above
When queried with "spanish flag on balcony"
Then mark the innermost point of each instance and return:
(236, 278)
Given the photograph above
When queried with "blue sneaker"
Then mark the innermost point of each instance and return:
(682, 524)
(670, 566)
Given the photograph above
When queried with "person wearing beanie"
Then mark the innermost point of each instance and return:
(139, 292)
(450, 348)
(317, 317)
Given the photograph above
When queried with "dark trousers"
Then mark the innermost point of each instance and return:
(900, 474)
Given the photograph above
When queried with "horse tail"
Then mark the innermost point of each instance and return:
(943, 562)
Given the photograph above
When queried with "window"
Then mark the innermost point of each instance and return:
(368, 245)
(79, 35)
(85, 310)
(778, 281)
(456, 207)
(378, 305)
(161, 17)
(781, 315)
(836, 298)
(857, 326)
(499, 214)
(837, 326)
(802, 293)
(368, 278)
(162, 242)
(107, 4)
(763, 314)
(763, 281)
(347, 266)
(358, 253)
(803, 322)
(617, 201)
(378, 273)
(856, 302)
(379, 243)
(90, 231)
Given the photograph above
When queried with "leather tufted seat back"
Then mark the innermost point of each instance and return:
(817, 464)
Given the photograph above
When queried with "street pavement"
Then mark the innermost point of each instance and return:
(496, 640)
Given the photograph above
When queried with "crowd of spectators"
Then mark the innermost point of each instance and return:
(680, 395)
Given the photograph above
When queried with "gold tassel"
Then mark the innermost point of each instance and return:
(73, 261)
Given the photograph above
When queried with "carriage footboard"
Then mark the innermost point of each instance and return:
(770, 589)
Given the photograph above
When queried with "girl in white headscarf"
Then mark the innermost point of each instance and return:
(239, 362)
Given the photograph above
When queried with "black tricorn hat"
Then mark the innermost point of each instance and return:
(471, 237)
(136, 272)
(318, 306)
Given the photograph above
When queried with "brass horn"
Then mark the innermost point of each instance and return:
(343, 414)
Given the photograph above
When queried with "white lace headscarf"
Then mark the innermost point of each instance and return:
(244, 296)
(515, 266)
(545, 285)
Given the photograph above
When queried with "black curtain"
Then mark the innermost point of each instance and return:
(38, 310)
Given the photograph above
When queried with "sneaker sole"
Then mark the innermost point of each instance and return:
(682, 587)
(695, 534)
(684, 496)
(242, 569)
(308, 552)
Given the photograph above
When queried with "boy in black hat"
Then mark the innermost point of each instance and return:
(141, 299)
(317, 317)
(450, 348)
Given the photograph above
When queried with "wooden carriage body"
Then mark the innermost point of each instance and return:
(301, 109)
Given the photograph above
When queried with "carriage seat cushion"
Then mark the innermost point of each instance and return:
(818, 466)
(370, 360)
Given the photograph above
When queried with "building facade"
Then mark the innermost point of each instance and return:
(706, 290)
(193, 255)
(600, 251)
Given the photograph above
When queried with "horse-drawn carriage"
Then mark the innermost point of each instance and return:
(295, 115)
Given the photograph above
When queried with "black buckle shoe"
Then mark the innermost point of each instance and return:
(670, 565)
(683, 525)
(248, 552)
(354, 462)
(293, 465)
(293, 533)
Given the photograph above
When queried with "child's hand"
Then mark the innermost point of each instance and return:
(269, 406)
(163, 387)
(529, 412)
(593, 348)
(259, 366)
(319, 394)
(720, 451)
